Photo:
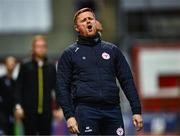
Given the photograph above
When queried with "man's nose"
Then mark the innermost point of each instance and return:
(88, 21)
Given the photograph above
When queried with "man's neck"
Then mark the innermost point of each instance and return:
(38, 58)
(9, 74)
(89, 41)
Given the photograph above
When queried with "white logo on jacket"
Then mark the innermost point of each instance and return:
(120, 131)
(88, 129)
(105, 56)
(83, 57)
(76, 49)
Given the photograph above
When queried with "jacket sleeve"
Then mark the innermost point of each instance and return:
(1, 100)
(125, 79)
(53, 93)
(54, 74)
(19, 86)
(63, 84)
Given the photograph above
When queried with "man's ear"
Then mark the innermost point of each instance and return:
(76, 28)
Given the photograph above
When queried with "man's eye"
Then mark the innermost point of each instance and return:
(83, 20)
(90, 18)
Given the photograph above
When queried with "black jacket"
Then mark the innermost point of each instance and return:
(27, 85)
(87, 72)
(7, 93)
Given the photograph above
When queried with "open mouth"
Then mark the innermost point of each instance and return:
(89, 26)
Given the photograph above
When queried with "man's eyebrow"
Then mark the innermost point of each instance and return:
(82, 19)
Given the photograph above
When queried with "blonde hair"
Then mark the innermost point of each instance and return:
(82, 11)
(38, 37)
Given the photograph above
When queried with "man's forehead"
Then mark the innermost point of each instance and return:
(10, 59)
(40, 42)
(85, 14)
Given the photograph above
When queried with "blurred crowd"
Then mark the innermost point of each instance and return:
(27, 104)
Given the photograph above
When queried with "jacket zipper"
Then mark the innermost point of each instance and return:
(97, 70)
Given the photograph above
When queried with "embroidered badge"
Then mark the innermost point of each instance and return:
(120, 131)
(105, 56)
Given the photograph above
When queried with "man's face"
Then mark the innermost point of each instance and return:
(86, 24)
(40, 48)
(10, 63)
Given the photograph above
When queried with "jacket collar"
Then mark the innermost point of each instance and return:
(44, 60)
(89, 41)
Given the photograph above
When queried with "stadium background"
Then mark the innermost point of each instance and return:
(147, 31)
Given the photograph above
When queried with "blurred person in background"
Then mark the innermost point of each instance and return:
(86, 82)
(7, 84)
(99, 27)
(35, 83)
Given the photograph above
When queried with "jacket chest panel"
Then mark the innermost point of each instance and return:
(31, 72)
(92, 57)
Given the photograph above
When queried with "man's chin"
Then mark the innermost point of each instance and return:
(40, 56)
(91, 34)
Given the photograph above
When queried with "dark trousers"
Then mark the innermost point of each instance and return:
(99, 120)
(6, 123)
(35, 123)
